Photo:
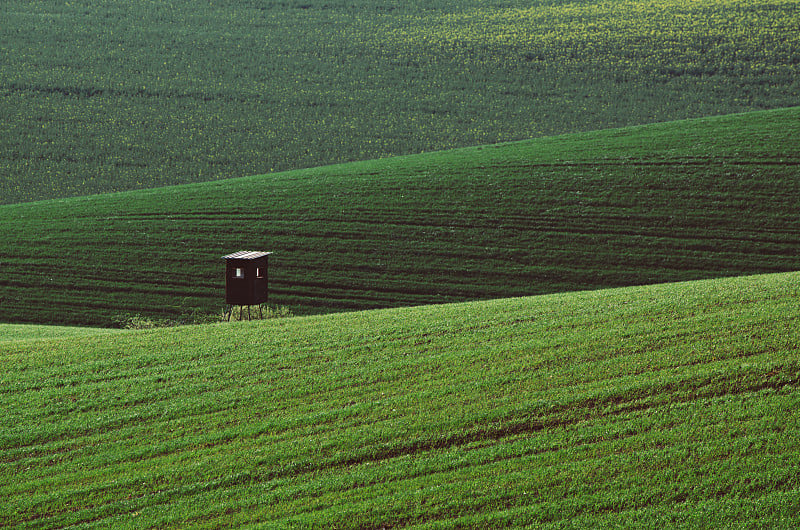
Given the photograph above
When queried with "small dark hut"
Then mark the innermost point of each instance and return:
(246, 278)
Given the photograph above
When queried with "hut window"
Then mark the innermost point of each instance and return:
(259, 272)
(238, 273)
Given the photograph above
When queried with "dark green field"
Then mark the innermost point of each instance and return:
(99, 96)
(641, 205)
(651, 407)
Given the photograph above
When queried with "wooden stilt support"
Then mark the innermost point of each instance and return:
(228, 314)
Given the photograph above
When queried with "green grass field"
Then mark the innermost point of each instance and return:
(132, 94)
(27, 332)
(659, 203)
(660, 406)
(652, 382)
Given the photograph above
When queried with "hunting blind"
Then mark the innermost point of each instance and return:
(246, 279)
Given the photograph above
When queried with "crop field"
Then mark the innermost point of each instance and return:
(659, 203)
(27, 332)
(672, 405)
(99, 96)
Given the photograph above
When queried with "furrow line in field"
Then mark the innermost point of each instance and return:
(249, 478)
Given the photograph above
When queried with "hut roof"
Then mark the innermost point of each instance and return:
(247, 254)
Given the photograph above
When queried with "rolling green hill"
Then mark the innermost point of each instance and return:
(132, 94)
(27, 332)
(658, 406)
(659, 203)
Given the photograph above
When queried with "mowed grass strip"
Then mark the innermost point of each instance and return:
(668, 202)
(670, 404)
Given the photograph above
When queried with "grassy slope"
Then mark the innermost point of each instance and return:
(667, 202)
(131, 94)
(653, 406)
(22, 332)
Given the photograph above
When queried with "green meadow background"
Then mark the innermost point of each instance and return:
(634, 164)
(665, 202)
(99, 96)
